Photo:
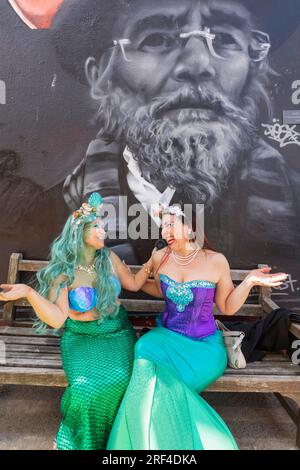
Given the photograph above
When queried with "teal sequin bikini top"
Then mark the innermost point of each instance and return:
(84, 298)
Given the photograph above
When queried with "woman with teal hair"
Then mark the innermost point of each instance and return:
(78, 291)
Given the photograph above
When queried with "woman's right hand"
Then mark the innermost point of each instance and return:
(14, 292)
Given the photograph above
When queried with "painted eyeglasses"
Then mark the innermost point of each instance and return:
(222, 43)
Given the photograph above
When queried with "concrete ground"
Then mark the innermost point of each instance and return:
(30, 416)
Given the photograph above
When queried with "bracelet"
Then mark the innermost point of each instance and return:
(148, 271)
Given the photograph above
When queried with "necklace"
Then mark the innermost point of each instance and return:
(185, 260)
(90, 268)
(184, 257)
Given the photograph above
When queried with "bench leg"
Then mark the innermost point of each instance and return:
(12, 278)
(8, 313)
(295, 415)
(298, 430)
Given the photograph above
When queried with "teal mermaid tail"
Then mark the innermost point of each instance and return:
(97, 359)
(161, 409)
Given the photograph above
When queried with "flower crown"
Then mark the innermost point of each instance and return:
(89, 211)
(165, 209)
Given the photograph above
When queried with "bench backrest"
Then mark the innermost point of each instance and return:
(259, 303)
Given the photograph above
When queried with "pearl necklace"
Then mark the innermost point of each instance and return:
(185, 260)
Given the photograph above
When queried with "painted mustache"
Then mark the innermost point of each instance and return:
(199, 98)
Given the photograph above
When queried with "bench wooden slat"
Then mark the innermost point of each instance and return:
(36, 355)
(14, 359)
(22, 349)
(37, 362)
(275, 357)
(33, 376)
(36, 265)
(20, 303)
(273, 369)
(32, 265)
(259, 383)
(30, 340)
(134, 305)
(256, 368)
(226, 383)
(19, 331)
(157, 306)
(55, 349)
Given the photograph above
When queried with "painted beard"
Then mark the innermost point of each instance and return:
(190, 140)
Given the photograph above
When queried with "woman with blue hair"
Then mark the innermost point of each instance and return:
(78, 291)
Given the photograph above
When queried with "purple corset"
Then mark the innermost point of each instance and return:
(189, 307)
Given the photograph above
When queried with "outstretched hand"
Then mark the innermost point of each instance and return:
(13, 292)
(262, 277)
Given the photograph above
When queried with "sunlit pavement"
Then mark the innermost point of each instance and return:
(30, 416)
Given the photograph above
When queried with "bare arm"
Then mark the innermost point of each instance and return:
(228, 298)
(151, 287)
(54, 314)
(130, 281)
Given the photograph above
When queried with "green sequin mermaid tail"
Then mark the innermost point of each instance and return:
(97, 359)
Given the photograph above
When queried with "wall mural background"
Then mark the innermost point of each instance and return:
(135, 98)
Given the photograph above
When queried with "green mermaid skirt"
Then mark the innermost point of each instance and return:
(161, 409)
(98, 360)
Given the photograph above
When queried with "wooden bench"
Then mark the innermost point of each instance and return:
(32, 359)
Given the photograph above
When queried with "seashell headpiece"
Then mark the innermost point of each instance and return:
(89, 211)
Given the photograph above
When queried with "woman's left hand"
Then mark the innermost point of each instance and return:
(262, 277)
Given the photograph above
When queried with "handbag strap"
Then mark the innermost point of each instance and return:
(238, 340)
(239, 335)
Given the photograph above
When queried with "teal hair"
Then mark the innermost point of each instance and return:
(65, 255)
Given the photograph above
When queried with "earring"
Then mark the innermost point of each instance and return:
(191, 235)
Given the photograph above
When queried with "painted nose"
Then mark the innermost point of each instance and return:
(166, 234)
(101, 232)
(195, 63)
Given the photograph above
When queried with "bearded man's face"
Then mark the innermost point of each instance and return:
(185, 111)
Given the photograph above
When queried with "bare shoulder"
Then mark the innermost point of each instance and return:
(159, 254)
(218, 259)
(115, 258)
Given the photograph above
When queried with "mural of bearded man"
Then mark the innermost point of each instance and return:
(180, 87)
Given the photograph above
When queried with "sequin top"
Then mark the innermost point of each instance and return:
(83, 298)
(189, 307)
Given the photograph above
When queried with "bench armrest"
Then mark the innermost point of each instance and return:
(268, 304)
(295, 329)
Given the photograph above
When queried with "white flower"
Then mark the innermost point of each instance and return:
(175, 210)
